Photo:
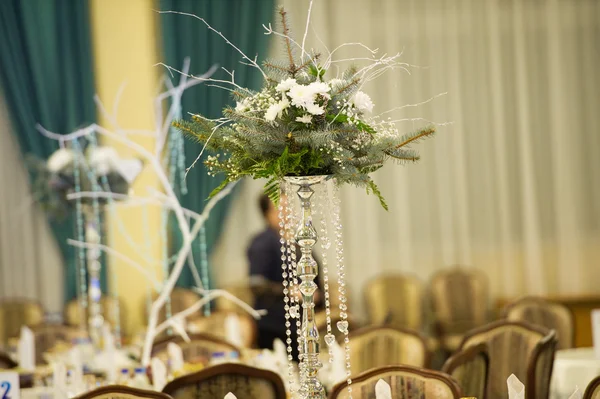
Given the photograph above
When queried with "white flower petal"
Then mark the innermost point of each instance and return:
(60, 159)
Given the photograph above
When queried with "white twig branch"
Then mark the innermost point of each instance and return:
(306, 29)
(80, 244)
(413, 105)
(251, 61)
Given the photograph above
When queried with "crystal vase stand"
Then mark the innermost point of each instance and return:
(95, 318)
(307, 270)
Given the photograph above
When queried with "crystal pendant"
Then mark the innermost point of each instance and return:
(329, 339)
(294, 311)
(342, 325)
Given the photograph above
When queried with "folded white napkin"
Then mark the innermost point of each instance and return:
(159, 374)
(230, 396)
(59, 379)
(280, 351)
(26, 349)
(233, 330)
(516, 389)
(577, 394)
(383, 390)
(110, 354)
(175, 356)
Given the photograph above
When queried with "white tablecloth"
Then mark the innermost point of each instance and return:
(573, 368)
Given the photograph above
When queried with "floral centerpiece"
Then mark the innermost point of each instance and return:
(68, 170)
(302, 124)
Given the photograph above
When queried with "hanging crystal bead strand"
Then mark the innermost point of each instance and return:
(322, 211)
(283, 234)
(82, 274)
(342, 325)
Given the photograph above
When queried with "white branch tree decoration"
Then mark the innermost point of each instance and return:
(168, 199)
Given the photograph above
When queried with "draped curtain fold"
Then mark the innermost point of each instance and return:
(512, 186)
(184, 36)
(46, 75)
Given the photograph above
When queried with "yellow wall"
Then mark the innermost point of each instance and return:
(125, 51)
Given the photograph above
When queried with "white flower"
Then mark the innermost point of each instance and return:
(301, 95)
(285, 85)
(103, 160)
(335, 82)
(304, 119)
(314, 109)
(319, 88)
(60, 159)
(362, 101)
(242, 106)
(275, 110)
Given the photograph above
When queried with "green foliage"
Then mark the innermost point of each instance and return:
(334, 139)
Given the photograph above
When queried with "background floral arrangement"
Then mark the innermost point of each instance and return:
(302, 124)
(98, 169)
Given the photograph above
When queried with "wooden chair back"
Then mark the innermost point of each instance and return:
(384, 345)
(122, 392)
(216, 324)
(199, 349)
(404, 381)
(469, 368)
(593, 389)
(18, 312)
(512, 348)
(395, 300)
(547, 314)
(215, 382)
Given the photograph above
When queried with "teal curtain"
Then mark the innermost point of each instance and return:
(240, 21)
(46, 77)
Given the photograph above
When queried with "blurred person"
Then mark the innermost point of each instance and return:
(264, 256)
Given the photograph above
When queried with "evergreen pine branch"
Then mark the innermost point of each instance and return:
(403, 155)
(416, 136)
(372, 187)
(288, 43)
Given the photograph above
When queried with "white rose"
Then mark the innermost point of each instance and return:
(362, 101)
(285, 85)
(60, 160)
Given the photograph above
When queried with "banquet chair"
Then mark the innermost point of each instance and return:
(321, 323)
(546, 314)
(470, 369)
(382, 346)
(405, 382)
(241, 291)
(215, 382)
(6, 362)
(200, 348)
(215, 324)
(113, 309)
(122, 392)
(518, 348)
(459, 299)
(395, 300)
(18, 312)
(47, 336)
(593, 389)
